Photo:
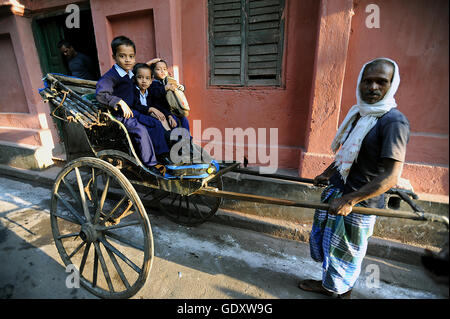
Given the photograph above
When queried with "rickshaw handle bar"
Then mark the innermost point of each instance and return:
(356, 209)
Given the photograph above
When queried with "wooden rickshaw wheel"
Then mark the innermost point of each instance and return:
(101, 228)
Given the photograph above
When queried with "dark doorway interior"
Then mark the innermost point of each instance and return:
(49, 30)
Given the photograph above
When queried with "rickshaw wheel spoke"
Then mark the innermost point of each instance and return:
(190, 210)
(107, 206)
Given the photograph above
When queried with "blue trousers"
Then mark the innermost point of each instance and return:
(184, 123)
(156, 132)
(141, 139)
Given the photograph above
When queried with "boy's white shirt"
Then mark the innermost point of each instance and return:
(122, 72)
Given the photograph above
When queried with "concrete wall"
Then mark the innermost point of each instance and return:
(284, 108)
(332, 38)
(24, 117)
(153, 26)
(14, 90)
(183, 42)
(415, 35)
(326, 43)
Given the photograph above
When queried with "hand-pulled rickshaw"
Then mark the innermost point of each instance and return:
(99, 222)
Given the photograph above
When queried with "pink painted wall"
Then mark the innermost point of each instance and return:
(285, 108)
(415, 34)
(329, 67)
(12, 95)
(147, 22)
(28, 122)
(48, 5)
(143, 34)
(325, 46)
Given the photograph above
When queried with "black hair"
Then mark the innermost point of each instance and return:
(153, 66)
(121, 40)
(138, 66)
(380, 62)
(65, 43)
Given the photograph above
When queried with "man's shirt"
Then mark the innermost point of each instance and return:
(387, 139)
(81, 66)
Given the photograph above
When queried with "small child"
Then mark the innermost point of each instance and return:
(152, 118)
(158, 92)
(116, 90)
(143, 79)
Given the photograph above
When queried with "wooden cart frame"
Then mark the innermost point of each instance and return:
(98, 220)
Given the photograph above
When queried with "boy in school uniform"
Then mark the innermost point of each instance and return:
(116, 90)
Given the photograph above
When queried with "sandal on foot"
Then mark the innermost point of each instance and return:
(314, 286)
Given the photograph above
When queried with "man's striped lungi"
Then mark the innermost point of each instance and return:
(340, 243)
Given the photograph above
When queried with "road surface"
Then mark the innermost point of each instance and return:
(209, 261)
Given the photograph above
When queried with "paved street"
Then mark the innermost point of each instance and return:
(209, 261)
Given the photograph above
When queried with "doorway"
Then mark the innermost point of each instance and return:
(50, 28)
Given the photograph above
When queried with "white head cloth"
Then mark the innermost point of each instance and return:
(369, 113)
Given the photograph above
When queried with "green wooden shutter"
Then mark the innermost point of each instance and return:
(225, 27)
(265, 42)
(246, 41)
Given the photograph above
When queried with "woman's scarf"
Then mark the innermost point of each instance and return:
(351, 143)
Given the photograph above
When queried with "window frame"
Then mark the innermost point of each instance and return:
(245, 77)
